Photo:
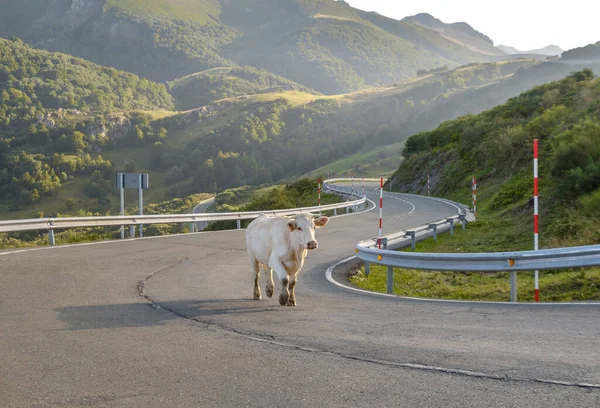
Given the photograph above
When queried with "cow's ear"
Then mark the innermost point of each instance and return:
(321, 222)
(292, 225)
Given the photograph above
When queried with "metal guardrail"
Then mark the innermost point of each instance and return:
(52, 224)
(490, 262)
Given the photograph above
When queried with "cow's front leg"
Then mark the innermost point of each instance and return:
(293, 281)
(270, 283)
(285, 293)
(279, 269)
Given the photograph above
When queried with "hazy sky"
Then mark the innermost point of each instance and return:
(523, 24)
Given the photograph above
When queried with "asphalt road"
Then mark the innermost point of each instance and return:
(201, 209)
(170, 322)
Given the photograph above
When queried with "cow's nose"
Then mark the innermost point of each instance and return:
(313, 245)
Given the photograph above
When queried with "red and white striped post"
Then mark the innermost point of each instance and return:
(475, 197)
(428, 186)
(536, 218)
(363, 186)
(319, 190)
(380, 211)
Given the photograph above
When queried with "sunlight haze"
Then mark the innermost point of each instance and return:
(524, 25)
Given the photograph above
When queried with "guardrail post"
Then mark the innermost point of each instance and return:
(131, 231)
(434, 228)
(463, 221)
(451, 221)
(347, 210)
(51, 237)
(192, 227)
(239, 224)
(367, 268)
(513, 286)
(335, 211)
(413, 239)
(390, 269)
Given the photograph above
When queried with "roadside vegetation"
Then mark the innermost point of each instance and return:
(302, 193)
(496, 147)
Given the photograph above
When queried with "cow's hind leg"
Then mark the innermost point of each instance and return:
(292, 300)
(256, 269)
(270, 283)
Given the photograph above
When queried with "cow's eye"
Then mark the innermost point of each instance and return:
(299, 229)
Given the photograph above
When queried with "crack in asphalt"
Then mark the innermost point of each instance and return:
(270, 339)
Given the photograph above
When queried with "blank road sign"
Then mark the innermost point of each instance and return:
(131, 180)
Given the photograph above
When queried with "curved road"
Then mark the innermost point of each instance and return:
(201, 209)
(169, 322)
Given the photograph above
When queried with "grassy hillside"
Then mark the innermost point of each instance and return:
(496, 147)
(321, 44)
(376, 162)
(197, 11)
(202, 88)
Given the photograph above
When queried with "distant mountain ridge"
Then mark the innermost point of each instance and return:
(550, 50)
(324, 45)
(590, 52)
(462, 33)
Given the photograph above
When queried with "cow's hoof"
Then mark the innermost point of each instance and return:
(291, 302)
(283, 299)
(257, 295)
(270, 291)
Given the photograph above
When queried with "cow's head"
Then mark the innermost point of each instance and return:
(302, 228)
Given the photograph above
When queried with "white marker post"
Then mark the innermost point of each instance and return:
(536, 220)
(380, 212)
(120, 185)
(475, 197)
(122, 211)
(141, 199)
(428, 186)
(319, 190)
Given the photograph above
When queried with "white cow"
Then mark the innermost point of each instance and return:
(281, 244)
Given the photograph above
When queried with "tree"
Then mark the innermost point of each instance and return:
(78, 141)
(35, 196)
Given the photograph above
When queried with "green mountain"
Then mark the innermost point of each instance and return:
(496, 147)
(322, 44)
(58, 114)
